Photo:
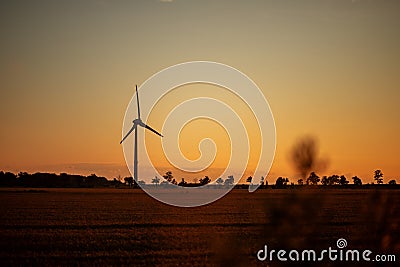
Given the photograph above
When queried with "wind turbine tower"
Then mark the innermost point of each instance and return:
(137, 122)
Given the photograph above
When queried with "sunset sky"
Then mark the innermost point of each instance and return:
(329, 68)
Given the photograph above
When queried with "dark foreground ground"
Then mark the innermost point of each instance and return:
(53, 227)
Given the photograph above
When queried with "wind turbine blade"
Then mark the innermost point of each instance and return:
(151, 129)
(137, 99)
(133, 128)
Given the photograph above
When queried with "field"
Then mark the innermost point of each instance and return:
(54, 227)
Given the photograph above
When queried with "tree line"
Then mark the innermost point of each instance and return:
(24, 179)
(64, 180)
(314, 179)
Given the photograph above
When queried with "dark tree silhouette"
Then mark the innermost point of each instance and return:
(94, 181)
(262, 180)
(300, 182)
(8, 179)
(334, 179)
(168, 176)
(183, 182)
(281, 182)
(116, 182)
(205, 180)
(248, 180)
(22, 175)
(128, 181)
(313, 179)
(343, 180)
(378, 176)
(357, 181)
(392, 182)
(325, 180)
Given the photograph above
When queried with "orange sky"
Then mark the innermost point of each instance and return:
(327, 68)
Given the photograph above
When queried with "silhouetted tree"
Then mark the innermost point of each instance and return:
(281, 182)
(343, 180)
(248, 180)
(183, 182)
(95, 181)
(128, 181)
(116, 182)
(313, 179)
(219, 181)
(262, 180)
(155, 180)
(392, 182)
(333, 179)
(22, 176)
(168, 176)
(357, 181)
(205, 180)
(325, 180)
(300, 182)
(378, 176)
(174, 182)
(8, 179)
(229, 181)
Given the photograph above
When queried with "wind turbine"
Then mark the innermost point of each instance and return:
(137, 122)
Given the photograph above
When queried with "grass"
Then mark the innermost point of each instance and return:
(127, 227)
